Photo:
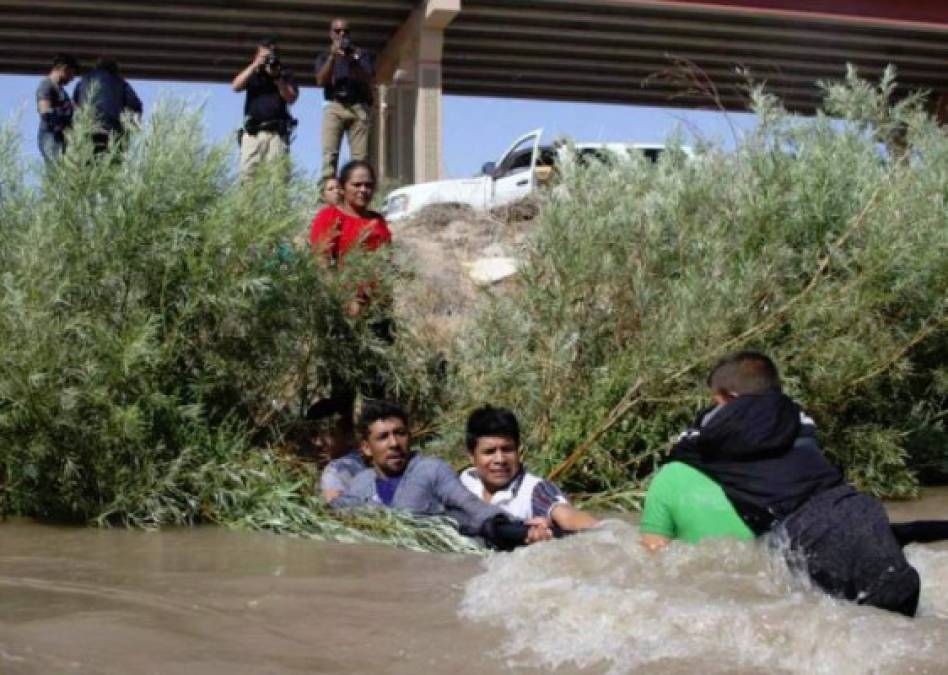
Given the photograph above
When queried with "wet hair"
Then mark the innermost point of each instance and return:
(65, 60)
(745, 372)
(346, 173)
(491, 421)
(374, 410)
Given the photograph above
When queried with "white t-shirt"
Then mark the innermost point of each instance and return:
(527, 496)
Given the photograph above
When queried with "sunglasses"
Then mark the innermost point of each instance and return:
(340, 30)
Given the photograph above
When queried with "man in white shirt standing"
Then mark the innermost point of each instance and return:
(498, 476)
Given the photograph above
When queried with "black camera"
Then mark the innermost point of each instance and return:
(272, 62)
(271, 65)
(346, 45)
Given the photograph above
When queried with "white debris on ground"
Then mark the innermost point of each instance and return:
(487, 271)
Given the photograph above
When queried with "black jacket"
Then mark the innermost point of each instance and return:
(110, 95)
(763, 452)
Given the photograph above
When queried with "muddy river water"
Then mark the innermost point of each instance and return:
(210, 601)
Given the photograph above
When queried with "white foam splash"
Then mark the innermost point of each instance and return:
(601, 600)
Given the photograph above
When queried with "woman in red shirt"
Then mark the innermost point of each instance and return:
(337, 228)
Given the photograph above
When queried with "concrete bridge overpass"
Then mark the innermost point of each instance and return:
(616, 51)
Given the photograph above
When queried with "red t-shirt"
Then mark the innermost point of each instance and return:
(334, 233)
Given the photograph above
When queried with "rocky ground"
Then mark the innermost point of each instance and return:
(442, 250)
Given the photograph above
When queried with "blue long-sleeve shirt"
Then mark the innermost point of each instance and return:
(428, 487)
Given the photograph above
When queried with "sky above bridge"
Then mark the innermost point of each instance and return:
(476, 130)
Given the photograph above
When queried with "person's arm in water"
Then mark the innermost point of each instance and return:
(549, 502)
(654, 542)
(567, 517)
(657, 526)
(454, 495)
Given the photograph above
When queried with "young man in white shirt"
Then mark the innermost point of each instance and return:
(498, 476)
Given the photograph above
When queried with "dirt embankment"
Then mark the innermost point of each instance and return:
(440, 249)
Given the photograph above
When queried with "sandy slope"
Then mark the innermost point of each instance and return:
(435, 249)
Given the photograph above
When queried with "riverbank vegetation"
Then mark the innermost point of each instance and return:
(162, 334)
(822, 241)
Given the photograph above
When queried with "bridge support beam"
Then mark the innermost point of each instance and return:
(408, 142)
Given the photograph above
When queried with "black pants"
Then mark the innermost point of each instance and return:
(921, 531)
(849, 550)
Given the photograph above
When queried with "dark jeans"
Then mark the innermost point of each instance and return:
(849, 550)
(51, 145)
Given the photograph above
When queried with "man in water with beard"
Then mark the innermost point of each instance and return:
(758, 450)
(425, 486)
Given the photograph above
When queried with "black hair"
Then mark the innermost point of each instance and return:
(108, 65)
(331, 413)
(374, 410)
(269, 41)
(745, 372)
(490, 421)
(346, 172)
(65, 60)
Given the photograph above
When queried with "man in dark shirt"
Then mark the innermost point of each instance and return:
(110, 96)
(55, 107)
(267, 122)
(345, 73)
(762, 450)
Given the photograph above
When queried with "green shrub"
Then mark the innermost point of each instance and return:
(808, 241)
(160, 328)
(162, 333)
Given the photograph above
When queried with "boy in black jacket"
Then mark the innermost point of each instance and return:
(758, 445)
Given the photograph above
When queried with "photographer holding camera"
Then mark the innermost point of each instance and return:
(267, 122)
(345, 72)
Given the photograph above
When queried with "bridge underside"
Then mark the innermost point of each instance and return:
(673, 53)
(686, 53)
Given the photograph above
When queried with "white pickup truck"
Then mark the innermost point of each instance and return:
(514, 176)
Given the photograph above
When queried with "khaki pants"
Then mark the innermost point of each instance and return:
(261, 147)
(337, 120)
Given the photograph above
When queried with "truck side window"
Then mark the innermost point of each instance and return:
(516, 162)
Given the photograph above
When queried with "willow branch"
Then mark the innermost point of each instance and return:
(900, 352)
(631, 397)
(617, 413)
